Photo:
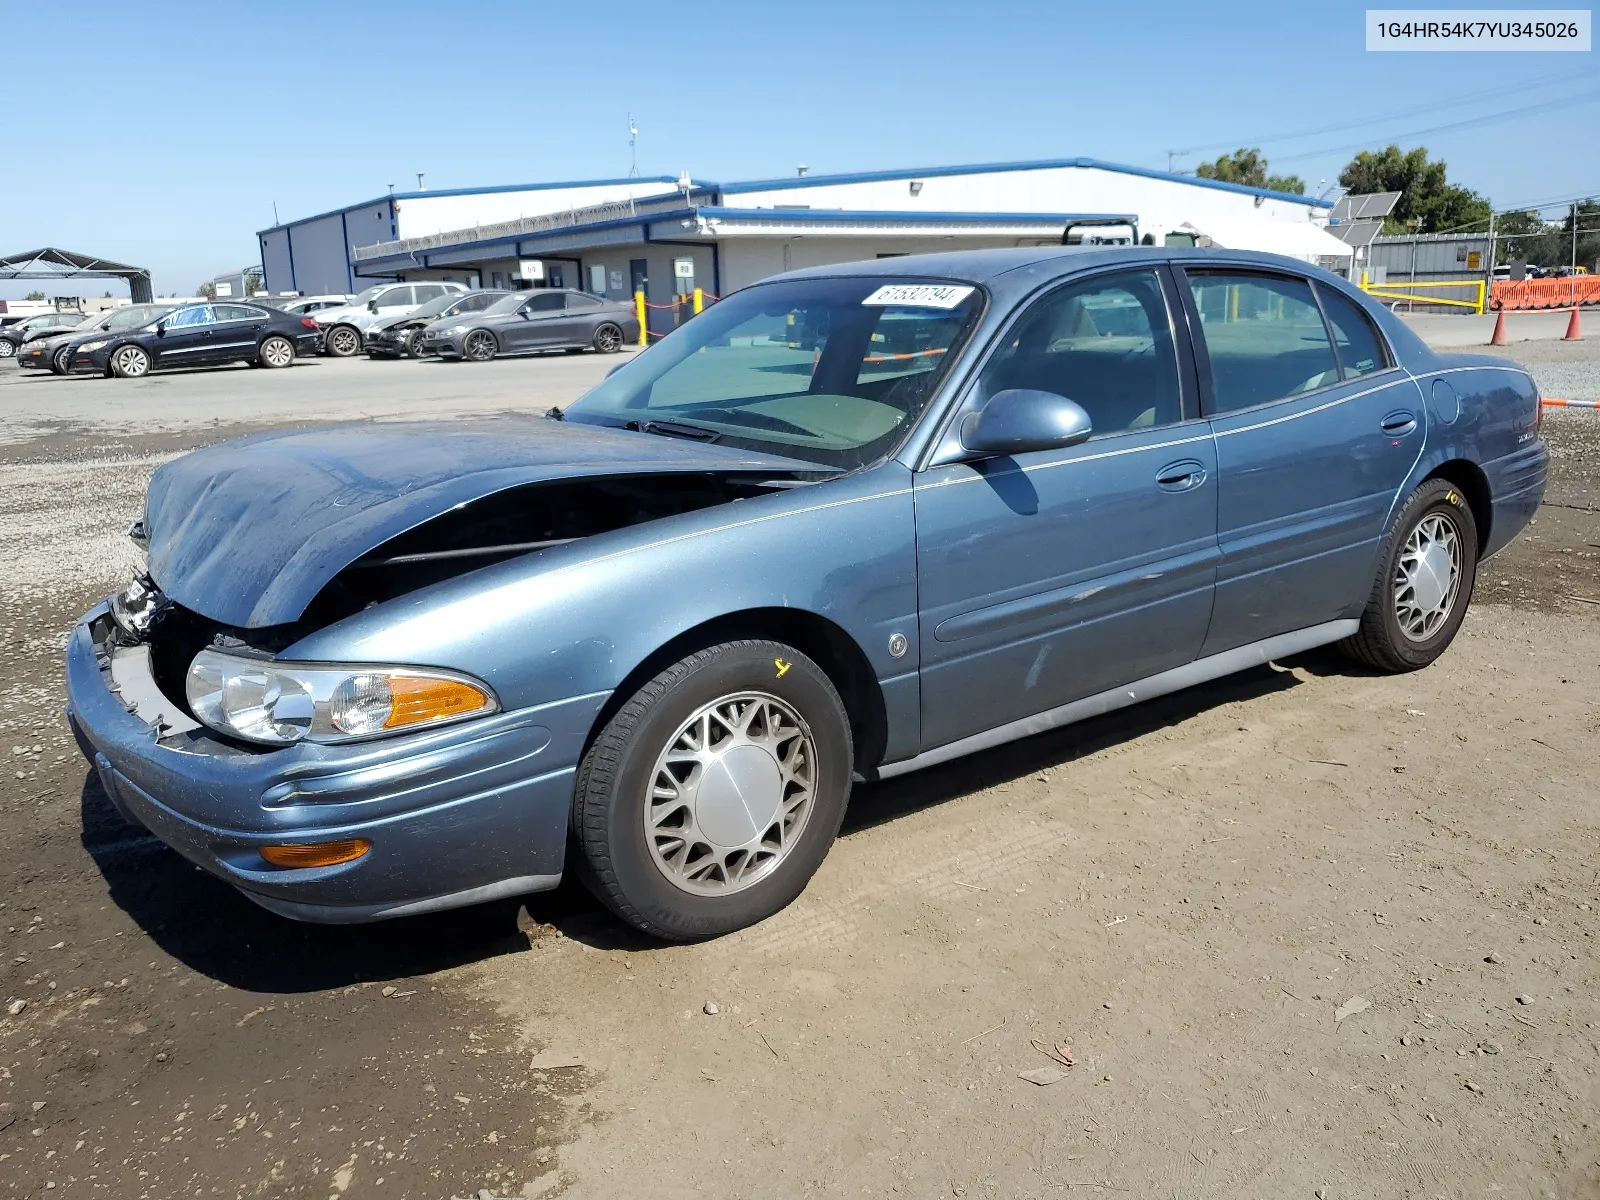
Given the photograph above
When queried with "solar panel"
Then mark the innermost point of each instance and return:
(1357, 234)
(1366, 204)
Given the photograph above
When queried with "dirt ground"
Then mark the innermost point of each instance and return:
(1306, 931)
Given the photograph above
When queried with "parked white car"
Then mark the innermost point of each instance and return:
(306, 305)
(345, 328)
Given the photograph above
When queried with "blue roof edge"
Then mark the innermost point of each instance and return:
(478, 191)
(870, 214)
(760, 185)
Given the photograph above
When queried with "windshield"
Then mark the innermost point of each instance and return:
(835, 371)
(370, 294)
(135, 315)
(438, 307)
(508, 303)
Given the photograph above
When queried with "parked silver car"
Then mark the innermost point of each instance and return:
(546, 319)
(345, 328)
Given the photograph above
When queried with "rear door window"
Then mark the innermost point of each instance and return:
(429, 291)
(1264, 335)
(1361, 349)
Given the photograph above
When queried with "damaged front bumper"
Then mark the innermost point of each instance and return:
(455, 816)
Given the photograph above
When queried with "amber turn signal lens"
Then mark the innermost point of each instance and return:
(319, 854)
(417, 700)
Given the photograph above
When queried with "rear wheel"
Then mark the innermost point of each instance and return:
(130, 362)
(61, 361)
(608, 338)
(1426, 574)
(480, 346)
(8, 348)
(276, 352)
(343, 341)
(711, 797)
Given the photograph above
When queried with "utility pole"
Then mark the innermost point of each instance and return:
(633, 153)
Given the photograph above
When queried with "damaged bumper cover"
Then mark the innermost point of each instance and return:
(455, 815)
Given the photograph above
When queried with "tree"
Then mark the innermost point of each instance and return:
(1429, 202)
(34, 295)
(208, 290)
(1246, 166)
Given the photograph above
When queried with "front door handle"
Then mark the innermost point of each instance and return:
(1399, 423)
(1181, 476)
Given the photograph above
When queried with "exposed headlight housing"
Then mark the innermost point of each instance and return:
(278, 704)
(86, 347)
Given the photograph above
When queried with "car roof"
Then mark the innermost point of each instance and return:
(986, 266)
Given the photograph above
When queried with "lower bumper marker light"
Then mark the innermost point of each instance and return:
(317, 854)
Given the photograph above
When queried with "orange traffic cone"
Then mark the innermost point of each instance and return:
(1573, 334)
(1499, 338)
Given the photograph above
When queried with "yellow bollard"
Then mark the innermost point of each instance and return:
(699, 301)
(644, 320)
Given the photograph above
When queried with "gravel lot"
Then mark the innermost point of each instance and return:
(1189, 894)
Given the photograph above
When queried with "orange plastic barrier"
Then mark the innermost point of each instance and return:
(1526, 295)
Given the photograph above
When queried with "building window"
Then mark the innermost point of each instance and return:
(597, 279)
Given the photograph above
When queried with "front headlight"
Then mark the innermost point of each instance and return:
(278, 704)
(87, 347)
(452, 331)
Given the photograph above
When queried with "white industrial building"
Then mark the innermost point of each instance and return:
(666, 237)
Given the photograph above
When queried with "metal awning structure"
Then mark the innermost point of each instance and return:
(60, 265)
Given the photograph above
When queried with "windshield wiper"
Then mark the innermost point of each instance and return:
(739, 416)
(677, 429)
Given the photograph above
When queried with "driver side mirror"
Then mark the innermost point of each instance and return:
(1018, 420)
(161, 327)
(372, 306)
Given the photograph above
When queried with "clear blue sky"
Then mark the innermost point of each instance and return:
(169, 143)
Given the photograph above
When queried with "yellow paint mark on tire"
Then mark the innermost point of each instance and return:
(783, 667)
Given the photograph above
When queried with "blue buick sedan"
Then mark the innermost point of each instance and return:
(848, 523)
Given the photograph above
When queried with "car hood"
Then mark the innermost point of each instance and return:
(60, 338)
(249, 531)
(327, 316)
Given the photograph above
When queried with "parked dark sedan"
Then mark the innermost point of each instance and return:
(14, 335)
(52, 351)
(403, 335)
(197, 335)
(546, 319)
(390, 668)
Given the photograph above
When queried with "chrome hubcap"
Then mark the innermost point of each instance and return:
(131, 360)
(6, 348)
(277, 353)
(1427, 576)
(731, 794)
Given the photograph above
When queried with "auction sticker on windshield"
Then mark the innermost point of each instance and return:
(921, 295)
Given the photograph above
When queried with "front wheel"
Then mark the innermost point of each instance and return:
(414, 343)
(480, 346)
(61, 361)
(608, 339)
(276, 352)
(1426, 574)
(130, 362)
(712, 796)
(343, 341)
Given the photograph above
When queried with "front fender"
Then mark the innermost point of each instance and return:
(578, 619)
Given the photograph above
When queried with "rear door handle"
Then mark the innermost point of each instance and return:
(1181, 476)
(1399, 423)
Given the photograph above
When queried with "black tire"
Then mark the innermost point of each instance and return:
(615, 780)
(479, 346)
(130, 362)
(414, 344)
(1383, 641)
(61, 361)
(342, 341)
(608, 338)
(275, 353)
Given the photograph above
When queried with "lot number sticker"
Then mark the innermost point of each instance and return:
(920, 295)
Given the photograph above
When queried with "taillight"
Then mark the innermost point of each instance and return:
(308, 323)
